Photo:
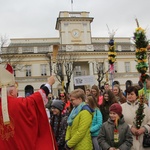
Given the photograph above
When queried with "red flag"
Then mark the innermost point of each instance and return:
(9, 68)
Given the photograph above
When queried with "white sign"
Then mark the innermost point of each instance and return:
(84, 80)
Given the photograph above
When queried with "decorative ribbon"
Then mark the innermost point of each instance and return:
(112, 68)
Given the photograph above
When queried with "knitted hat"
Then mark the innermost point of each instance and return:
(116, 108)
(59, 104)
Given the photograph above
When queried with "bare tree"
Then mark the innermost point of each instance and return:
(9, 54)
(69, 67)
(64, 67)
(100, 72)
(4, 41)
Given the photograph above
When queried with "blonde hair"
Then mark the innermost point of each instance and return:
(78, 93)
(117, 86)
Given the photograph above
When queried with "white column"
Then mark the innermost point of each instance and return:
(71, 87)
(90, 67)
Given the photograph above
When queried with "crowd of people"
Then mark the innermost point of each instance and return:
(93, 119)
(104, 119)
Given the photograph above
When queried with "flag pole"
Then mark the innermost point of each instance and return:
(71, 5)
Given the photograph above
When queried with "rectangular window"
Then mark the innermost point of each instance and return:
(28, 70)
(127, 66)
(43, 70)
(78, 68)
(78, 71)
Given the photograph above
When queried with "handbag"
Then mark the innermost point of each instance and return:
(146, 140)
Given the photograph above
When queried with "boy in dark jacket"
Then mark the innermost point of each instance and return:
(58, 123)
(115, 134)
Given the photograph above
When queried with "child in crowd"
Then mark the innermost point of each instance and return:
(108, 100)
(96, 122)
(97, 94)
(64, 98)
(87, 92)
(119, 94)
(58, 123)
(115, 133)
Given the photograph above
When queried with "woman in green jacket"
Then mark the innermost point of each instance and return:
(78, 135)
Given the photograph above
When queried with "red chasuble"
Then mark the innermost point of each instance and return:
(29, 128)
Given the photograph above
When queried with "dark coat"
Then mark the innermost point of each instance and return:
(105, 112)
(106, 135)
(59, 126)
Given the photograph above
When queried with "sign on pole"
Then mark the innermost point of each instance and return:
(84, 80)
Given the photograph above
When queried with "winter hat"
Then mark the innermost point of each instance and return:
(59, 104)
(116, 108)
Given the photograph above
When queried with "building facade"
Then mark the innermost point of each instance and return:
(34, 59)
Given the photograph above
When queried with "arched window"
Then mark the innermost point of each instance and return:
(29, 90)
(128, 83)
(116, 82)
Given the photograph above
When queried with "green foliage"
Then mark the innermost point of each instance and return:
(141, 44)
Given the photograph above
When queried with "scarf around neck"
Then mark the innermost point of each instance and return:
(74, 113)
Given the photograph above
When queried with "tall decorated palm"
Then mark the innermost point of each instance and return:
(141, 44)
(111, 54)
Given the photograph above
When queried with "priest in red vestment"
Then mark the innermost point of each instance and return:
(23, 121)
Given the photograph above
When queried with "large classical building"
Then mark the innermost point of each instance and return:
(34, 59)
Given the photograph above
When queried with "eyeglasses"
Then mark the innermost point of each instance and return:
(62, 96)
(71, 100)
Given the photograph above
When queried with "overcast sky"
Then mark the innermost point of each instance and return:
(37, 18)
